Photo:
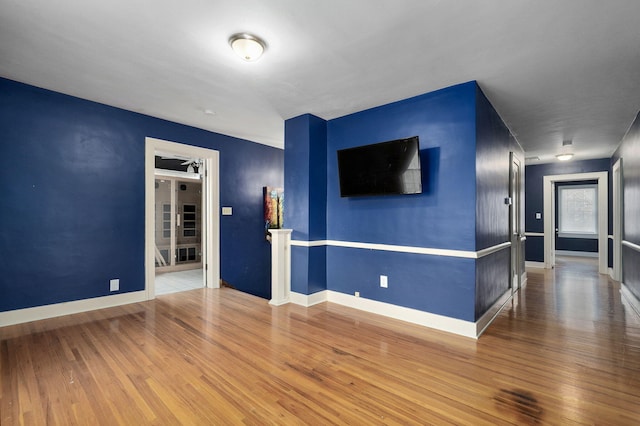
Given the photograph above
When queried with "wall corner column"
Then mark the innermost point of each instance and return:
(280, 266)
(305, 210)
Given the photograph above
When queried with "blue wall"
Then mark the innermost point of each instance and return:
(534, 176)
(306, 200)
(444, 121)
(72, 179)
(444, 216)
(494, 143)
(629, 152)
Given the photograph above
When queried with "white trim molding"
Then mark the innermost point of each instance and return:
(577, 253)
(20, 316)
(404, 249)
(414, 316)
(491, 314)
(316, 243)
(534, 234)
(630, 298)
(631, 245)
(531, 264)
(280, 266)
(549, 208)
(210, 208)
(307, 300)
(617, 196)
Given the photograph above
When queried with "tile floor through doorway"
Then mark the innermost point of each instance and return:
(173, 282)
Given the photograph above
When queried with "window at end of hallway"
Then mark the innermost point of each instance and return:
(578, 211)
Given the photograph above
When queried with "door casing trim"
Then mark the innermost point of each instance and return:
(211, 207)
(603, 218)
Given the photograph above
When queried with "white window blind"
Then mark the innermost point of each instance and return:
(578, 211)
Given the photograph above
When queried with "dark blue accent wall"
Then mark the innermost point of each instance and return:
(72, 179)
(306, 199)
(629, 152)
(534, 176)
(492, 279)
(492, 175)
(444, 121)
(437, 284)
(464, 154)
(494, 143)
(441, 217)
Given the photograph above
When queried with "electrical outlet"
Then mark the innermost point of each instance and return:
(538, 215)
(227, 211)
(114, 285)
(384, 281)
(357, 294)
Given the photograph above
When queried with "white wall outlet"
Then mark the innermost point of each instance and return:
(538, 215)
(227, 211)
(384, 281)
(114, 285)
(356, 294)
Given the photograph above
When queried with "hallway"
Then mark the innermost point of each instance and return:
(566, 352)
(574, 340)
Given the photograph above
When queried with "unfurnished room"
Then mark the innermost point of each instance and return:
(387, 212)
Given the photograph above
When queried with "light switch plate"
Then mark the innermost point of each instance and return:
(227, 211)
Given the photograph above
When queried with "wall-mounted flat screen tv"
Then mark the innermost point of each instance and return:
(383, 168)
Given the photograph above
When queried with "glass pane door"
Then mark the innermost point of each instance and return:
(164, 222)
(188, 229)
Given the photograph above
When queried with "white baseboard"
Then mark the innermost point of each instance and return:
(576, 253)
(19, 316)
(610, 271)
(529, 264)
(523, 279)
(307, 300)
(629, 297)
(492, 313)
(414, 316)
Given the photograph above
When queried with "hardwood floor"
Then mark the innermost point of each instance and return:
(566, 352)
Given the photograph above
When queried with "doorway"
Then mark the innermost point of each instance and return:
(178, 227)
(515, 222)
(617, 220)
(187, 235)
(549, 206)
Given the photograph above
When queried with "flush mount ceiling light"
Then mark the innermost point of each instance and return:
(247, 46)
(564, 157)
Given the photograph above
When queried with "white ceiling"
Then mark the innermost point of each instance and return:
(554, 70)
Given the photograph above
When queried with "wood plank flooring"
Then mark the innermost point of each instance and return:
(567, 351)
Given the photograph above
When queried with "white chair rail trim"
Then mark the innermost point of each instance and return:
(404, 249)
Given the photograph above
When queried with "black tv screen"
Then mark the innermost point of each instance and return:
(381, 169)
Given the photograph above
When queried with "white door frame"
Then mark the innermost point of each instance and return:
(617, 220)
(515, 224)
(210, 209)
(549, 216)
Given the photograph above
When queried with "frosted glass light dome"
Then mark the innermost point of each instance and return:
(247, 46)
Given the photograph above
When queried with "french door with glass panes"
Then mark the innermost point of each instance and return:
(178, 212)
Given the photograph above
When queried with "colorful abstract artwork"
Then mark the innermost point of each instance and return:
(273, 208)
